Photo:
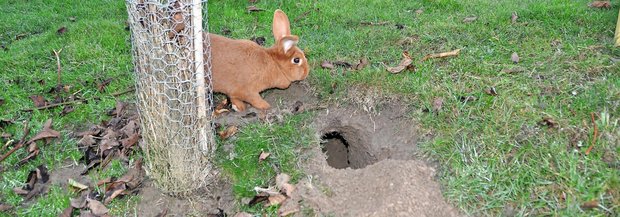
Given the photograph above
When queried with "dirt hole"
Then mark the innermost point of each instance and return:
(342, 152)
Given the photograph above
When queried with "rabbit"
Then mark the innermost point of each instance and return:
(242, 69)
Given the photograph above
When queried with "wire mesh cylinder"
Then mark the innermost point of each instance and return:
(174, 92)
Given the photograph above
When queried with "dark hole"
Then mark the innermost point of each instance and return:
(336, 148)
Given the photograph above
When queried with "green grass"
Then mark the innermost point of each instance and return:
(493, 155)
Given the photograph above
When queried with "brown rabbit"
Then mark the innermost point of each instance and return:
(242, 69)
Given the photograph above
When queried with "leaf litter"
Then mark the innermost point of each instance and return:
(405, 64)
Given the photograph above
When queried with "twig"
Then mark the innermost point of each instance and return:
(57, 54)
(595, 135)
(19, 145)
(124, 92)
(441, 55)
(53, 105)
(301, 16)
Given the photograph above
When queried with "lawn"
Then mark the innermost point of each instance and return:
(508, 138)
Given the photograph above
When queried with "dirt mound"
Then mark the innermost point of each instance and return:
(366, 164)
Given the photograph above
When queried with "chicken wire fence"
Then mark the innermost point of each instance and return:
(173, 86)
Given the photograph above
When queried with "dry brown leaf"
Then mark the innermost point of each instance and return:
(87, 140)
(467, 99)
(470, 19)
(113, 191)
(288, 189)
(20, 191)
(77, 185)
(72, 19)
(363, 63)
(230, 131)
(514, 17)
(78, 203)
(62, 30)
(437, 104)
(102, 86)
(419, 11)
(327, 65)
(46, 133)
(590, 204)
(514, 57)
(549, 122)
(38, 101)
(67, 212)
(441, 55)
(263, 155)
(130, 141)
(600, 4)
(134, 177)
(96, 207)
(491, 91)
(405, 63)
(253, 8)
(275, 200)
(66, 110)
(260, 197)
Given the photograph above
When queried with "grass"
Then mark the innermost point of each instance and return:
(495, 159)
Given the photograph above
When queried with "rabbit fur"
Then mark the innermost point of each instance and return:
(242, 69)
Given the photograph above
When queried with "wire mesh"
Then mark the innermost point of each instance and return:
(174, 93)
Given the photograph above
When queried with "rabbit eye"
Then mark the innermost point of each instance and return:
(296, 60)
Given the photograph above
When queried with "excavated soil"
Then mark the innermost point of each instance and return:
(366, 164)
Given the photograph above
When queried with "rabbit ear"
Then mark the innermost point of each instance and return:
(281, 25)
(287, 42)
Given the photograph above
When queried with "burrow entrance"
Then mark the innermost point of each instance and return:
(344, 147)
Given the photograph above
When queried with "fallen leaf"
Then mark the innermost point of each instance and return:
(514, 57)
(437, 104)
(590, 204)
(275, 200)
(20, 191)
(130, 141)
(263, 155)
(4, 207)
(259, 40)
(491, 91)
(67, 212)
(363, 63)
(441, 55)
(62, 30)
(113, 191)
(102, 86)
(419, 11)
(260, 197)
(405, 63)
(79, 202)
(549, 122)
(134, 177)
(467, 99)
(253, 8)
(470, 19)
(86, 141)
(327, 65)
(243, 214)
(72, 19)
(96, 207)
(342, 64)
(514, 17)
(46, 133)
(38, 100)
(66, 110)
(600, 4)
(77, 185)
(230, 131)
